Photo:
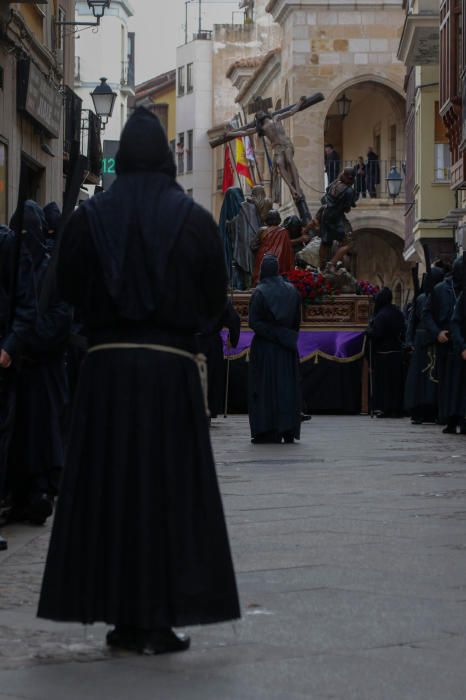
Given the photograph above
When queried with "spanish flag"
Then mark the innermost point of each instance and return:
(242, 164)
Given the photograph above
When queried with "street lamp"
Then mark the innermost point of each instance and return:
(97, 7)
(344, 106)
(103, 98)
(394, 181)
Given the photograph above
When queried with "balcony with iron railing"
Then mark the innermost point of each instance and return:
(371, 184)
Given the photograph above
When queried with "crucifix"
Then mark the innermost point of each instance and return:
(268, 125)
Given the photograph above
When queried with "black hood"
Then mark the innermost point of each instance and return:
(144, 146)
(435, 276)
(269, 267)
(383, 298)
(52, 215)
(457, 273)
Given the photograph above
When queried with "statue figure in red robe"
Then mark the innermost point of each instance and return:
(274, 240)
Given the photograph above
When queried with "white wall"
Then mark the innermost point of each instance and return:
(194, 112)
(101, 53)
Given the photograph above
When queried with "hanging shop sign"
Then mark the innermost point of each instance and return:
(38, 98)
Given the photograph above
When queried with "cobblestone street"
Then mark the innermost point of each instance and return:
(350, 551)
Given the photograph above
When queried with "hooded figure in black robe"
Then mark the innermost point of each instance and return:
(274, 378)
(386, 333)
(17, 314)
(37, 451)
(436, 319)
(456, 365)
(421, 382)
(212, 347)
(139, 538)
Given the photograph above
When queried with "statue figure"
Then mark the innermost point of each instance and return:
(268, 125)
(340, 278)
(247, 224)
(333, 225)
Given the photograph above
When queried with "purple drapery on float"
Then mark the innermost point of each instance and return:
(338, 346)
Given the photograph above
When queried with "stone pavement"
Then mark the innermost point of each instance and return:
(350, 550)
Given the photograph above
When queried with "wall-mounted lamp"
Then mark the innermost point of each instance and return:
(97, 8)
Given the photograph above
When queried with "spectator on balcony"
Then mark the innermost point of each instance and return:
(360, 178)
(372, 172)
(332, 163)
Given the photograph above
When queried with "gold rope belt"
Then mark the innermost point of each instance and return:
(199, 360)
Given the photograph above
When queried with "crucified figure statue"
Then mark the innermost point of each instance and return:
(268, 125)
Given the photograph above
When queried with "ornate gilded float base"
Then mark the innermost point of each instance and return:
(349, 311)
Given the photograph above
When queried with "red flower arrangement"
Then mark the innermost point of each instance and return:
(365, 288)
(312, 287)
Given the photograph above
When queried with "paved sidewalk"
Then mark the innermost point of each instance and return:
(350, 550)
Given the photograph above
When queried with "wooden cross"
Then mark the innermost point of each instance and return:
(260, 105)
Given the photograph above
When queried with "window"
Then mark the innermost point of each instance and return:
(173, 147)
(442, 157)
(189, 78)
(181, 87)
(392, 144)
(60, 30)
(442, 162)
(189, 153)
(3, 183)
(180, 154)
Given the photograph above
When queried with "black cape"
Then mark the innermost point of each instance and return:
(436, 317)
(386, 333)
(274, 379)
(139, 536)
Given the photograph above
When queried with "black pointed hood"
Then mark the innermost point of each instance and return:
(144, 146)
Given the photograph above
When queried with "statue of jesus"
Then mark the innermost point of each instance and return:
(268, 125)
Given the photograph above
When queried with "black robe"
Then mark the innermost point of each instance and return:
(421, 389)
(436, 317)
(274, 378)
(212, 347)
(13, 334)
(37, 451)
(457, 387)
(386, 333)
(139, 536)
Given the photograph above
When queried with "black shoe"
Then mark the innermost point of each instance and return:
(416, 421)
(39, 509)
(145, 642)
(449, 430)
(305, 417)
(3, 544)
(288, 438)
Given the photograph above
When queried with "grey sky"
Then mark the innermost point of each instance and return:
(159, 27)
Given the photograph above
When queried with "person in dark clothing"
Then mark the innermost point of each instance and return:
(139, 538)
(17, 313)
(458, 334)
(436, 319)
(212, 347)
(37, 452)
(274, 380)
(454, 373)
(52, 215)
(372, 172)
(332, 163)
(386, 333)
(360, 178)
(421, 382)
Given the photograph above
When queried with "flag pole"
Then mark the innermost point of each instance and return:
(233, 158)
